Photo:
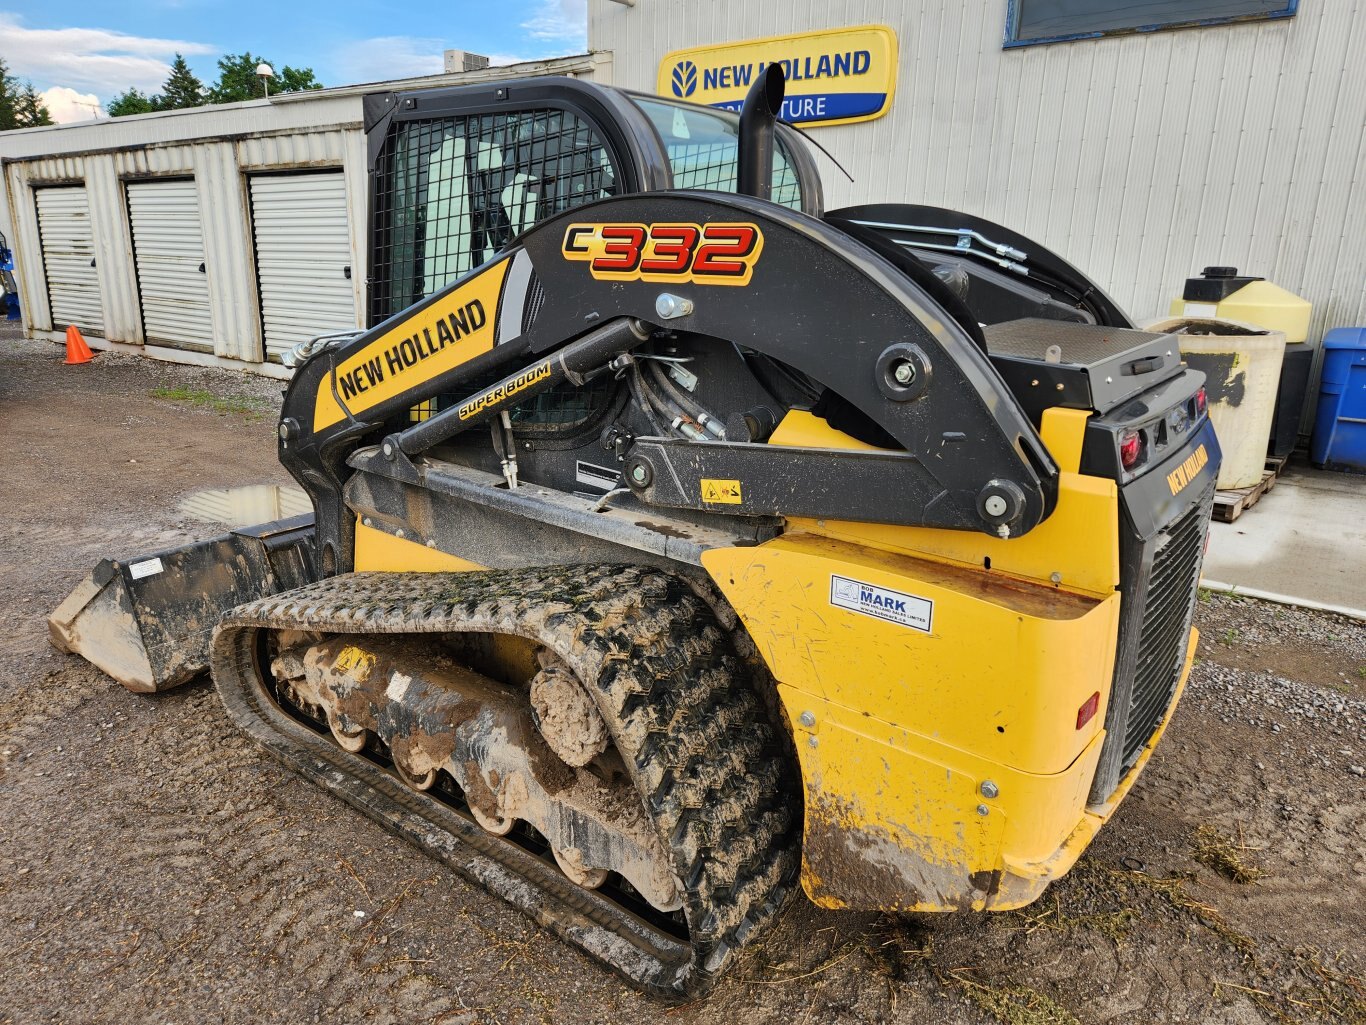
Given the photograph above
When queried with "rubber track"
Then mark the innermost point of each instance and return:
(675, 696)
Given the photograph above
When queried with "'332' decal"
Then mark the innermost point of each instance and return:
(720, 253)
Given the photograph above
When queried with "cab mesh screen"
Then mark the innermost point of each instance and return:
(451, 192)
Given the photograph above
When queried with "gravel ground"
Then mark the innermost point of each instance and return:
(155, 867)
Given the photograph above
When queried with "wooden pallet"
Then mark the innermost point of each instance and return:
(1230, 504)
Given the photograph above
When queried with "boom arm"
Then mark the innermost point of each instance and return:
(581, 290)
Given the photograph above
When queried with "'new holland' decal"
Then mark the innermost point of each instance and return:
(882, 603)
(413, 347)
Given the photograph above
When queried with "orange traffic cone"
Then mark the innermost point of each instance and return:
(76, 349)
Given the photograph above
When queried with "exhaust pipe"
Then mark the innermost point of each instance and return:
(754, 161)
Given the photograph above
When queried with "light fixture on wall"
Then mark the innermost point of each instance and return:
(267, 73)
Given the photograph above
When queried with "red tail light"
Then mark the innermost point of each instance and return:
(1087, 712)
(1201, 401)
(1130, 449)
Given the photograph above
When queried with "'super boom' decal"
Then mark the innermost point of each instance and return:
(720, 253)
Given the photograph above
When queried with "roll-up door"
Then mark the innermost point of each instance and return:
(73, 284)
(303, 257)
(168, 250)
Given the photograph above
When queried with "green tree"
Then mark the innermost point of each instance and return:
(131, 102)
(238, 81)
(8, 94)
(31, 109)
(20, 106)
(182, 89)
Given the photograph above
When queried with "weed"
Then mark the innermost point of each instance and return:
(1216, 851)
(1011, 1003)
(1172, 889)
(1332, 993)
(1115, 925)
(1205, 595)
(201, 399)
(1231, 635)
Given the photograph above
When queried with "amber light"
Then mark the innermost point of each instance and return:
(1130, 448)
(1087, 712)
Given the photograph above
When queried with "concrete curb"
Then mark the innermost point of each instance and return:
(1283, 599)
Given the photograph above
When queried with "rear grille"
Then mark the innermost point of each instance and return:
(1160, 576)
(1167, 609)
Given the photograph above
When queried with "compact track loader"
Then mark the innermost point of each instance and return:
(674, 538)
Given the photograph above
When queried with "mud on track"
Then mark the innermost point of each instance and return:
(154, 867)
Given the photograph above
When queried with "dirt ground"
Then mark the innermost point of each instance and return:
(155, 867)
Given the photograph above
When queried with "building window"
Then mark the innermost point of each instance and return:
(1029, 22)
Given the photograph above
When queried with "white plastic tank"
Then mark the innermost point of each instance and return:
(1242, 367)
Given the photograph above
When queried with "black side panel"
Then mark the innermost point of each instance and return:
(1067, 293)
(1164, 522)
(826, 305)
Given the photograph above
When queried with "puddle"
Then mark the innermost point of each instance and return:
(246, 507)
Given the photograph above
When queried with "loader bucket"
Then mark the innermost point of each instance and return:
(147, 622)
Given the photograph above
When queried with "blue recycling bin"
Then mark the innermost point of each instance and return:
(1339, 441)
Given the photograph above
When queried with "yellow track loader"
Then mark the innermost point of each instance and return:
(675, 539)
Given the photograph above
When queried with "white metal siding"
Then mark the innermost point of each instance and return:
(73, 285)
(168, 249)
(1140, 158)
(303, 249)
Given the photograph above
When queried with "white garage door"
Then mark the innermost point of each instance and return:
(73, 285)
(303, 257)
(168, 250)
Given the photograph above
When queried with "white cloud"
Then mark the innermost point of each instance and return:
(67, 105)
(101, 60)
(560, 20)
(384, 58)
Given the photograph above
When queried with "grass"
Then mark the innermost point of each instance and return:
(1231, 636)
(1115, 924)
(200, 399)
(1220, 853)
(1011, 1003)
(894, 944)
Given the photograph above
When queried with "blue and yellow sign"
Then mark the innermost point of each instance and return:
(836, 76)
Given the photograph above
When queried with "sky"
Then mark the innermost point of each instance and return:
(81, 53)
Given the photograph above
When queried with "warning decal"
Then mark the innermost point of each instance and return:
(721, 492)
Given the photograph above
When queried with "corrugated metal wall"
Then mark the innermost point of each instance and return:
(1141, 158)
(218, 169)
(218, 147)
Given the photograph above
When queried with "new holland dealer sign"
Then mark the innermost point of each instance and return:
(833, 77)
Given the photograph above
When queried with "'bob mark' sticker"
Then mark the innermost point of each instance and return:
(881, 603)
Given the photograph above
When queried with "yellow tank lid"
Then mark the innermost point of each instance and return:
(1269, 306)
(1224, 293)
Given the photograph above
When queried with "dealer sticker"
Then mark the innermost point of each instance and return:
(881, 603)
(147, 568)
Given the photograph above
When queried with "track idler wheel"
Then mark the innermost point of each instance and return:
(348, 739)
(498, 825)
(571, 864)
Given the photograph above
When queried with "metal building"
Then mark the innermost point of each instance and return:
(216, 235)
(1141, 156)
(229, 233)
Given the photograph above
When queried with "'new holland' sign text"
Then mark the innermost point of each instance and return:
(833, 77)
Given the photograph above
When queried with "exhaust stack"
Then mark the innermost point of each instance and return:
(754, 161)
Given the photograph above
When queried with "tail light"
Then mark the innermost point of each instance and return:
(1087, 712)
(1130, 449)
(1201, 401)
